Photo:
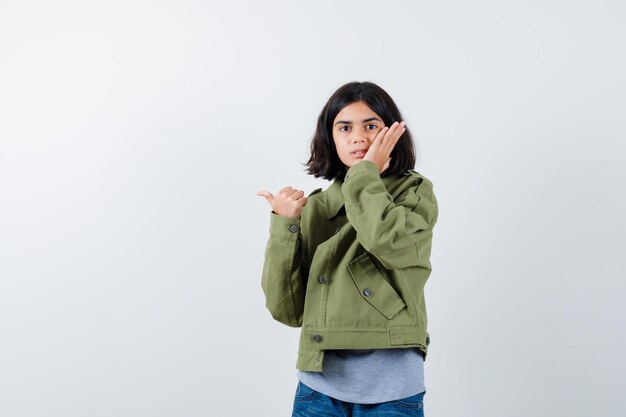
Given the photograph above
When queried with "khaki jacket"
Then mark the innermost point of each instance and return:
(351, 270)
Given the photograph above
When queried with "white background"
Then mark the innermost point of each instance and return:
(134, 136)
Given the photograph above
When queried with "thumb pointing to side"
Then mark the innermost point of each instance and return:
(268, 196)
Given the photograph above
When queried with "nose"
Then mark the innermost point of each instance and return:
(360, 135)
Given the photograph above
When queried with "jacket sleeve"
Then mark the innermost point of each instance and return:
(282, 281)
(398, 233)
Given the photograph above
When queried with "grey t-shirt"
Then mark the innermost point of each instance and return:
(368, 376)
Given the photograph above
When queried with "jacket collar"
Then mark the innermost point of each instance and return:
(334, 196)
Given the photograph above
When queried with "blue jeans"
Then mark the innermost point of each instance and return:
(311, 403)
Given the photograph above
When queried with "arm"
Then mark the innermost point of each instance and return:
(282, 281)
(399, 233)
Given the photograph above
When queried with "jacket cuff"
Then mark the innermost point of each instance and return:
(284, 226)
(362, 167)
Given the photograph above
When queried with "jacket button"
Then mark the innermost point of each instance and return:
(293, 228)
(367, 292)
(322, 279)
(316, 337)
(427, 340)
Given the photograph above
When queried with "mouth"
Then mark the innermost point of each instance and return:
(359, 153)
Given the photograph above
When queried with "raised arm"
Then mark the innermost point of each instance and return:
(398, 233)
(283, 275)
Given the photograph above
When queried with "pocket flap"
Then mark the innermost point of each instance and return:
(373, 286)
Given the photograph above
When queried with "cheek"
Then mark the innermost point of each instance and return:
(339, 151)
(338, 144)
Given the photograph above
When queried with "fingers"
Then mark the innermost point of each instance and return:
(395, 131)
(297, 195)
(288, 201)
(290, 193)
(286, 192)
(268, 196)
(390, 133)
(379, 137)
(391, 137)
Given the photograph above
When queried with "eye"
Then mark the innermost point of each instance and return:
(341, 128)
(372, 127)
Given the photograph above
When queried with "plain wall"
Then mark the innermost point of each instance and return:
(134, 136)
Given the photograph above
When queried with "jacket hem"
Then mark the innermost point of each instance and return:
(313, 342)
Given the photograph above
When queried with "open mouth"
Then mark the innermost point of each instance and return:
(359, 154)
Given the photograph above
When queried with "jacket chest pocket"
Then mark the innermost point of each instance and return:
(373, 286)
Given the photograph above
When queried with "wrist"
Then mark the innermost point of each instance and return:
(285, 215)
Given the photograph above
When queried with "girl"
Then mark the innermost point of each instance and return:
(349, 264)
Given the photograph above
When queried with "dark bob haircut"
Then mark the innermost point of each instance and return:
(324, 161)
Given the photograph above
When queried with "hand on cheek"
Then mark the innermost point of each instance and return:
(380, 150)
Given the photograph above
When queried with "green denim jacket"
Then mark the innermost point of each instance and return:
(351, 270)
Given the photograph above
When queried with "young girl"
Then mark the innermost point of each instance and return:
(349, 264)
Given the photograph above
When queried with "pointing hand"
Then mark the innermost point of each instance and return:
(288, 202)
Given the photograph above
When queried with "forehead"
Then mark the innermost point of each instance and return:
(356, 112)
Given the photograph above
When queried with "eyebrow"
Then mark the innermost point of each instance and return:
(347, 122)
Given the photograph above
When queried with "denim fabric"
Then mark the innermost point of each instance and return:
(311, 403)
